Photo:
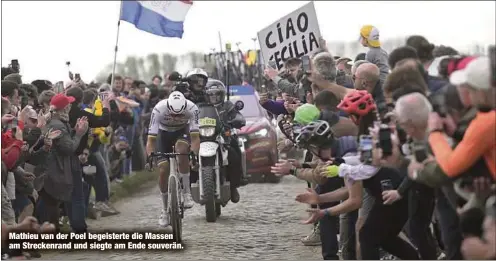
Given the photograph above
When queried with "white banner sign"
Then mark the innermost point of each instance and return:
(294, 35)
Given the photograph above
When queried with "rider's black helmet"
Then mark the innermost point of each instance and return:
(215, 92)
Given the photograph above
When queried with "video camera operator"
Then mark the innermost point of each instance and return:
(192, 86)
(197, 80)
(215, 94)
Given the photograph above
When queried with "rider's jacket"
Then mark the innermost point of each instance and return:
(196, 97)
(163, 119)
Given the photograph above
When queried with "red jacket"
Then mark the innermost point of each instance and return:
(11, 148)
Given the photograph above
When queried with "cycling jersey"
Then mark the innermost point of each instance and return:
(163, 119)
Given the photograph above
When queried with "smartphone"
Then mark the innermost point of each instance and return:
(13, 126)
(305, 63)
(420, 153)
(492, 57)
(385, 142)
(77, 76)
(14, 64)
(365, 147)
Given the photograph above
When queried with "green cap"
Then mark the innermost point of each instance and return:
(306, 113)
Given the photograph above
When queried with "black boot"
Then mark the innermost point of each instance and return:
(234, 195)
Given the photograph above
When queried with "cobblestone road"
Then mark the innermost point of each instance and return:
(265, 224)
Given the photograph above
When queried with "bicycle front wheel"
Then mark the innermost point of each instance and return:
(175, 215)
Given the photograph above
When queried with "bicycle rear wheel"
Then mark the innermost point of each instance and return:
(174, 208)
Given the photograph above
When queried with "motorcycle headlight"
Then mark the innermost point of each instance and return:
(207, 131)
(260, 133)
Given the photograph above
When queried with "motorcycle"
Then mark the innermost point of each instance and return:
(212, 188)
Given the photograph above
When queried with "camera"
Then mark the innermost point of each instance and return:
(419, 151)
(181, 84)
(438, 102)
(14, 65)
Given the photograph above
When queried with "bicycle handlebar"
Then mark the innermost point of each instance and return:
(166, 154)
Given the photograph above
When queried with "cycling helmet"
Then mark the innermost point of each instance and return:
(215, 92)
(317, 133)
(176, 103)
(306, 113)
(358, 103)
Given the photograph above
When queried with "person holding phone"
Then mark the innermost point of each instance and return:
(289, 81)
(12, 136)
(383, 222)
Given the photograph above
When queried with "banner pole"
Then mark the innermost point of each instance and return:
(116, 47)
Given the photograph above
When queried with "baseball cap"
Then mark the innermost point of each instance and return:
(60, 101)
(477, 74)
(371, 34)
(306, 113)
(32, 114)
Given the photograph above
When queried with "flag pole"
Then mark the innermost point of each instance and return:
(116, 47)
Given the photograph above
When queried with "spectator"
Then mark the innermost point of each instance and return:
(117, 155)
(128, 82)
(289, 83)
(96, 140)
(413, 111)
(356, 65)
(424, 49)
(369, 37)
(367, 77)
(76, 112)
(442, 50)
(42, 85)
(400, 54)
(10, 90)
(31, 95)
(479, 138)
(327, 101)
(342, 65)
(157, 80)
(59, 179)
(14, 77)
(403, 80)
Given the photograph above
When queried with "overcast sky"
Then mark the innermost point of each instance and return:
(44, 35)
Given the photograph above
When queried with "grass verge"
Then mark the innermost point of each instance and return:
(132, 185)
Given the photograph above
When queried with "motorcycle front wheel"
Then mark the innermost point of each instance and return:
(208, 183)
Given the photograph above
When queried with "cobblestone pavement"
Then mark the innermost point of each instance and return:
(265, 224)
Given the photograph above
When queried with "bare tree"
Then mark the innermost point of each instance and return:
(168, 63)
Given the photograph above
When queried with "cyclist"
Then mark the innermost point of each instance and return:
(174, 121)
(197, 80)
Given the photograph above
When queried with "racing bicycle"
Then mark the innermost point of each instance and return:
(175, 204)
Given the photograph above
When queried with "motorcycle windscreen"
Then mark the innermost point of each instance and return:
(208, 116)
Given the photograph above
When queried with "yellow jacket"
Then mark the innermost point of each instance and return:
(99, 132)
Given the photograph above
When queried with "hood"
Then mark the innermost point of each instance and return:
(253, 125)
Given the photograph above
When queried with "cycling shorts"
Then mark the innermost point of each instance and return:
(167, 140)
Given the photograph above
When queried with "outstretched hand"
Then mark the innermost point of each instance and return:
(316, 215)
(308, 197)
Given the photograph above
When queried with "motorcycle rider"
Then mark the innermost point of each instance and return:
(215, 94)
(197, 80)
(175, 121)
